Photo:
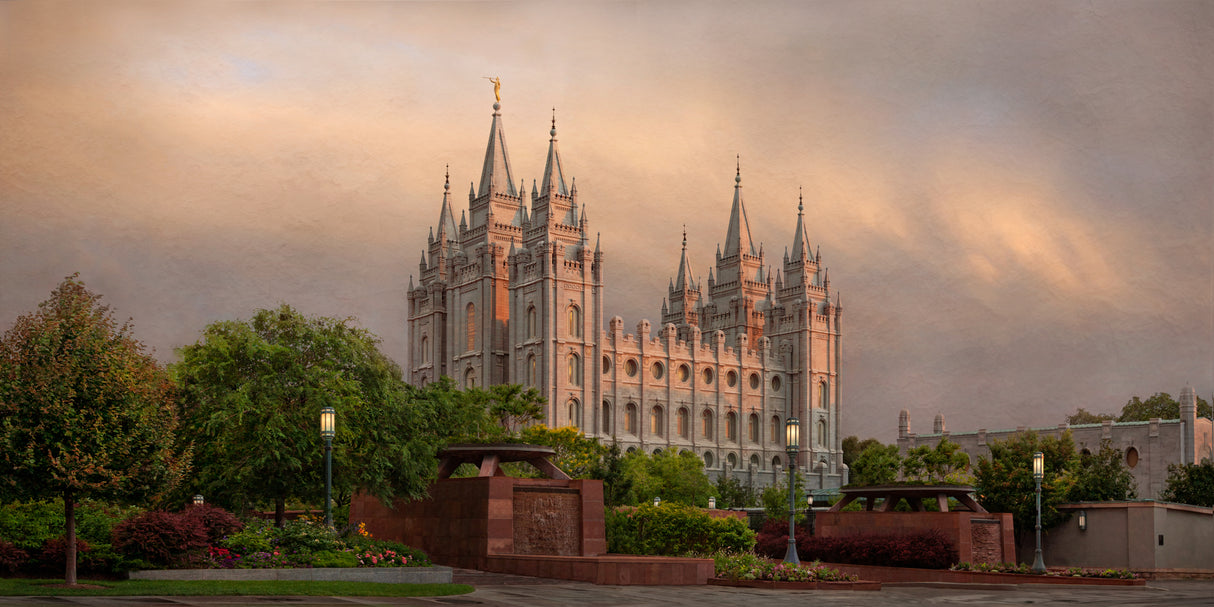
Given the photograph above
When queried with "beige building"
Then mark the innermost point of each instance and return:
(513, 293)
(1148, 447)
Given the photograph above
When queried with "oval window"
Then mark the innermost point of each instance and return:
(1131, 457)
(731, 378)
(775, 383)
(754, 381)
(606, 365)
(684, 372)
(658, 370)
(630, 367)
(708, 375)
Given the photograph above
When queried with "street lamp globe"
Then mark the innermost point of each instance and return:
(792, 438)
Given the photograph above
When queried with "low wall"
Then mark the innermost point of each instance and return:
(1148, 537)
(383, 575)
(979, 537)
(467, 519)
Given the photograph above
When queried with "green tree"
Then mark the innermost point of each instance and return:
(1102, 476)
(877, 465)
(674, 477)
(1004, 481)
(252, 395)
(84, 411)
(1083, 416)
(775, 498)
(577, 455)
(944, 463)
(731, 493)
(853, 447)
(1161, 405)
(1190, 484)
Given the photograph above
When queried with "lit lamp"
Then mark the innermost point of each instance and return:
(198, 501)
(810, 515)
(328, 423)
(792, 429)
(657, 501)
(712, 503)
(1083, 520)
(1038, 474)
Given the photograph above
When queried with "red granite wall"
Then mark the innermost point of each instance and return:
(980, 538)
(466, 519)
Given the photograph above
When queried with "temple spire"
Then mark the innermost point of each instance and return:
(495, 174)
(446, 218)
(737, 238)
(554, 175)
(684, 280)
(800, 241)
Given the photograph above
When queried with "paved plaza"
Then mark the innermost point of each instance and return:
(507, 591)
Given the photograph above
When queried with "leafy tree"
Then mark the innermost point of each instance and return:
(252, 395)
(944, 463)
(853, 447)
(1190, 484)
(1160, 405)
(877, 465)
(731, 493)
(1004, 482)
(576, 454)
(1083, 416)
(512, 406)
(674, 477)
(775, 499)
(1102, 476)
(84, 411)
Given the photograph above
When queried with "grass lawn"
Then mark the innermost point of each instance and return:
(26, 587)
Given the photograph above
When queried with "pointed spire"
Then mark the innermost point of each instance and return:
(511, 254)
(496, 173)
(554, 176)
(685, 279)
(463, 221)
(737, 237)
(446, 218)
(800, 242)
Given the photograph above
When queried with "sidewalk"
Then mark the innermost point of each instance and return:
(495, 590)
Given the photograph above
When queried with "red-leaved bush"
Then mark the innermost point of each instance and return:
(217, 522)
(11, 557)
(927, 550)
(161, 538)
(54, 552)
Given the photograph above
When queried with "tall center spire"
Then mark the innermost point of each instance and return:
(554, 176)
(495, 174)
(737, 238)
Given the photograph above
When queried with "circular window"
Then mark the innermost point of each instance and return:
(731, 378)
(658, 370)
(606, 365)
(775, 383)
(1131, 457)
(708, 376)
(630, 367)
(754, 381)
(684, 372)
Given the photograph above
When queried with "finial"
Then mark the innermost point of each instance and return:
(553, 131)
(447, 179)
(800, 201)
(684, 237)
(738, 177)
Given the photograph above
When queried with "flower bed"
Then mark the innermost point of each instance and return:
(1024, 569)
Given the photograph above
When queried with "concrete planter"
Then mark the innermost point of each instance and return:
(382, 575)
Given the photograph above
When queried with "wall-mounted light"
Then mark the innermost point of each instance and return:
(712, 503)
(1083, 520)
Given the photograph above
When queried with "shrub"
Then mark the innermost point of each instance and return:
(413, 556)
(11, 557)
(334, 558)
(305, 537)
(256, 536)
(928, 550)
(52, 556)
(161, 538)
(31, 524)
(749, 566)
(216, 523)
(674, 529)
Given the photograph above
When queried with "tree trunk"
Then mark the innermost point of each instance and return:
(69, 521)
(280, 512)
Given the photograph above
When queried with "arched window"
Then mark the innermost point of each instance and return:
(775, 462)
(532, 380)
(655, 421)
(575, 413)
(752, 427)
(531, 324)
(755, 462)
(575, 369)
(731, 426)
(773, 430)
(607, 429)
(630, 418)
(823, 395)
(732, 461)
(470, 378)
(575, 321)
(708, 459)
(425, 349)
(821, 433)
(682, 425)
(706, 424)
(470, 327)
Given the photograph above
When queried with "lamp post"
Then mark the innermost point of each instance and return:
(792, 429)
(1038, 474)
(328, 422)
(198, 501)
(810, 515)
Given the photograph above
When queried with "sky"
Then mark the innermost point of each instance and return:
(1015, 200)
